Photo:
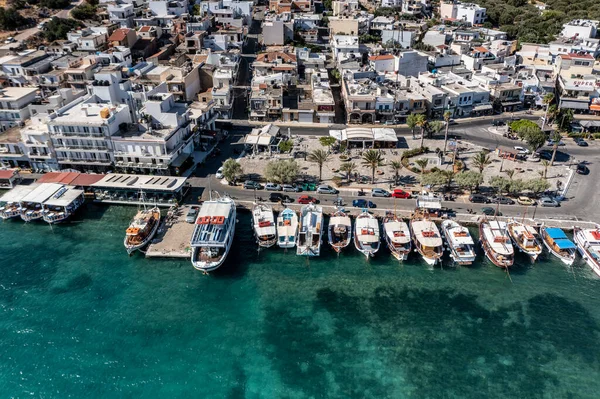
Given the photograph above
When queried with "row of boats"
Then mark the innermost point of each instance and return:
(216, 221)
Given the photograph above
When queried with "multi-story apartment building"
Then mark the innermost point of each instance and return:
(468, 12)
(13, 105)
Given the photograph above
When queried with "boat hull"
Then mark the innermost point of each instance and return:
(458, 259)
(587, 257)
(564, 259)
(490, 254)
(132, 248)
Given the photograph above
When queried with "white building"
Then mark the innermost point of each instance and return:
(13, 105)
(580, 29)
(467, 12)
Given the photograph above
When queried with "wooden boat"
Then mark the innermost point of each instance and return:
(142, 229)
(366, 234)
(588, 245)
(287, 228)
(397, 236)
(460, 242)
(558, 244)
(525, 238)
(427, 239)
(263, 224)
(310, 230)
(339, 232)
(496, 243)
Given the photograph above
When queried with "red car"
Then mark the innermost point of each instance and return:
(400, 194)
(306, 199)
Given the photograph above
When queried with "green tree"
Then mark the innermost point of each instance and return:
(469, 180)
(10, 19)
(85, 11)
(196, 10)
(433, 179)
(373, 159)
(422, 123)
(232, 170)
(516, 186)
(396, 166)
(545, 164)
(447, 117)
(481, 160)
(448, 177)
(537, 185)
(422, 164)
(320, 157)
(282, 171)
(548, 98)
(556, 138)
(348, 167)
(565, 117)
(57, 28)
(434, 127)
(327, 141)
(522, 126)
(285, 145)
(535, 139)
(500, 184)
(411, 122)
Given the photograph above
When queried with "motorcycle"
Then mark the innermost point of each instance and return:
(361, 193)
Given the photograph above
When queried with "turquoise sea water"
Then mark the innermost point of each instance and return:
(79, 318)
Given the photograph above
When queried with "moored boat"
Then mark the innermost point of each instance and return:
(287, 228)
(397, 236)
(310, 230)
(558, 244)
(427, 239)
(142, 229)
(366, 234)
(588, 245)
(339, 232)
(10, 210)
(460, 242)
(213, 234)
(496, 243)
(62, 204)
(525, 238)
(263, 224)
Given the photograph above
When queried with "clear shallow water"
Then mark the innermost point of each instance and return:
(79, 318)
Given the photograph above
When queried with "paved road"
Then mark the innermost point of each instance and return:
(27, 33)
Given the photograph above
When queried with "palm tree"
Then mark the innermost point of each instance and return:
(396, 166)
(422, 163)
(447, 116)
(372, 159)
(319, 157)
(556, 137)
(422, 123)
(548, 98)
(510, 173)
(449, 176)
(434, 127)
(348, 167)
(545, 164)
(411, 122)
(481, 160)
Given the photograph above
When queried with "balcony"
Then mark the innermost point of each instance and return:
(80, 135)
(83, 161)
(76, 147)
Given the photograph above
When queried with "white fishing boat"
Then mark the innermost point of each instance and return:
(62, 204)
(525, 238)
(397, 236)
(366, 234)
(263, 223)
(142, 228)
(339, 232)
(460, 242)
(11, 200)
(588, 245)
(496, 243)
(213, 234)
(310, 230)
(558, 244)
(427, 239)
(287, 228)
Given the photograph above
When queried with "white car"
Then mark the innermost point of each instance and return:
(272, 187)
(219, 174)
(522, 150)
(9, 40)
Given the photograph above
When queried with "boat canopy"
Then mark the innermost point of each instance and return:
(555, 233)
(563, 243)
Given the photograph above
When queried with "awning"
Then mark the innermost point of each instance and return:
(338, 135)
(359, 134)
(595, 107)
(590, 123)
(573, 105)
(383, 134)
(177, 162)
(555, 233)
(510, 103)
(564, 243)
(483, 107)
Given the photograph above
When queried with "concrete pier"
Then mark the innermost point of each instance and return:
(173, 237)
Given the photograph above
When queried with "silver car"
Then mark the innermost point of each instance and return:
(272, 187)
(547, 201)
(380, 192)
(291, 188)
(326, 190)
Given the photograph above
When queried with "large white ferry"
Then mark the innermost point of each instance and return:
(213, 234)
(588, 245)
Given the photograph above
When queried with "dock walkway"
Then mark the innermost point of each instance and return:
(173, 237)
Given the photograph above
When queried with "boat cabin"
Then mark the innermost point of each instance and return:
(32, 205)
(62, 204)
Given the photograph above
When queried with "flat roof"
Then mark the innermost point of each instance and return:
(140, 182)
(16, 93)
(18, 193)
(64, 196)
(8, 173)
(42, 193)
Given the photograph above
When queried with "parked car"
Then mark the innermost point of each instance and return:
(278, 197)
(490, 211)
(525, 201)
(582, 169)
(307, 199)
(551, 143)
(380, 192)
(498, 123)
(291, 188)
(191, 215)
(479, 198)
(545, 154)
(502, 200)
(272, 187)
(9, 40)
(252, 185)
(522, 150)
(219, 174)
(547, 201)
(582, 143)
(398, 193)
(362, 203)
(327, 190)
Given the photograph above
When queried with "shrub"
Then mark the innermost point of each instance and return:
(337, 180)
(84, 11)
(10, 19)
(286, 145)
(57, 28)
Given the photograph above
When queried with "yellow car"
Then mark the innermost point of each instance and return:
(525, 201)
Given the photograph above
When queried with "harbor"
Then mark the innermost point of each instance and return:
(173, 237)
